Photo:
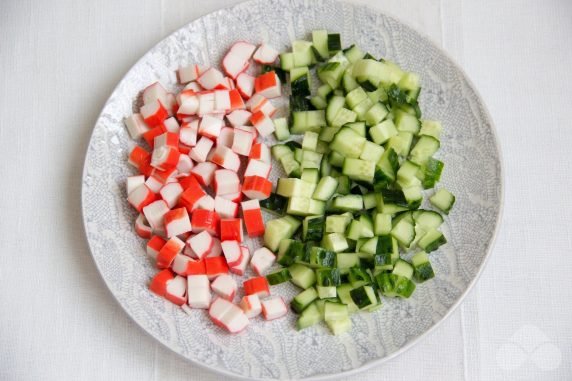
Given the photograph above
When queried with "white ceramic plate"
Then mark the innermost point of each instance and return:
(276, 349)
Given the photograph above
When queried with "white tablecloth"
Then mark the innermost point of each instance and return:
(59, 61)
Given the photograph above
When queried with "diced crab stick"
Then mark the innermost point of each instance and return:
(133, 182)
(155, 212)
(141, 197)
(216, 250)
(180, 264)
(153, 92)
(215, 266)
(140, 158)
(225, 157)
(230, 83)
(225, 182)
(256, 286)
(142, 227)
(222, 101)
(227, 315)
(259, 103)
(265, 54)
(264, 125)
(184, 95)
(200, 152)
(154, 113)
(185, 164)
(231, 229)
(136, 126)
(206, 103)
(188, 181)
(206, 202)
(194, 86)
(273, 308)
(154, 184)
(188, 133)
(177, 290)
(205, 220)
(225, 286)
(262, 260)
(193, 193)
(251, 129)
(256, 187)
(170, 104)
(168, 252)
(210, 79)
(177, 222)
(268, 85)
(245, 85)
(210, 126)
(171, 193)
(171, 125)
(257, 168)
(154, 245)
(252, 216)
(239, 117)
(237, 59)
(166, 139)
(189, 73)
(260, 151)
(236, 101)
(160, 281)
(204, 172)
(165, 157)
(242, 142)
(225, 208)
(234, 197)
(163, 176)
(226, 137)
(251, 306)
(232, 252)
(198, 291)
(189, 106)
(150, 135)
(241, 267)
(201, 244)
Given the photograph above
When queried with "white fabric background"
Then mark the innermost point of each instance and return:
(60, 60)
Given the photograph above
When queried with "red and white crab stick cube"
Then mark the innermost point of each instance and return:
(257, 168)
(185, 164)
(251, 306)
(242, 142)
(274, 308)
(236, 101)
(193, 85)
(256, 286)
(264, 125)
(206, 203)
(252, 216)
(155, 212)
(260, 151)
(215, 266)
(176, 291)
(256, 187)
(171, 125)
(168, 252)
(193, 192)
(262, 260)
(154, 245)
(234, 197)
(211, 79)
(133, 182)
(265, 54)
(154, 113)
(232, 252)
(198, 291)
(225, 286)
(237, 59)
(225, 157)
(206, 103)
(189, 106)
(142, 227)
(201, 244)
(160, 281)
(268, 85)
(225, 181)
(190, 73)
(225, 208)
(204, 172)
(153, 92)
(210, 126)
(216, 250)
(185, 265)
(226, 137)
(140, 158)
(231, 229)
(141, 197)
(222, 101)
(166, 139)
(177, 222)
(136, 126)
(170, 193)
(259, 103)
(239, 117)
(188, 133)
(201, 150)
(241, 267)
(245, 85)
(165, 157)
(227, 315)
(250, 129)
(205, 220)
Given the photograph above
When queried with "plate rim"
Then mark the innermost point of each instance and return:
(373, 362)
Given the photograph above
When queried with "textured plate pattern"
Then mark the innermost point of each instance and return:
(276, 350)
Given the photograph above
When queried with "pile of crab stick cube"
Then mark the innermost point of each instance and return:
(203, 167)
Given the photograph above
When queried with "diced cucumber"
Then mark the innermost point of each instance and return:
(311, 159)
(431, 128)
(332, 72)
(303, 206)
(369, 201)
(335, 242)
(311, 120)
(362, 108)
(278, 277)
(431, 173)
(337, 223)
(345, 261)
(343, 185)
(385, 170)
(290, 164)
(344, 116)
(309, 317)
(348, 203)
(425, 147)
(359, 277)
(394, 196)
(406, 122)
(353, 53)
(318, 102)
(302, 276)
(358, 127)
(349, 83)
(304, 299)
(403, 268)
(343, 292)
(360, 170)
(289, 251)
(310, 141)
(320, 257)
(292, 187)
(325, 188)
(382, 224)
(428, 219)
(310, 175)
(407, 174)
(335, 104)
(320, 42)
(334, 43)
(401, 143)
(280, 150)
(413, 196)
(355, 97)
(382, 132)
(375, 114)
(431, 240)
(327, 133)
(403, 232)
(443, 199)
(313, 228)
(279, 229)
(363, 296)
(422, 267)
(348, 143)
